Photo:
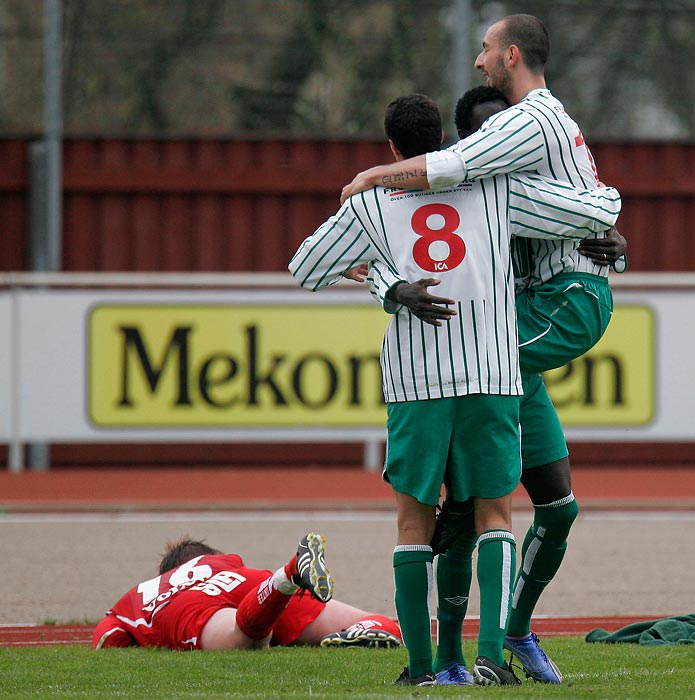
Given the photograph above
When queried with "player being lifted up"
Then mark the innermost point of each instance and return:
(566, 304)
(204, 599)
(452, 392)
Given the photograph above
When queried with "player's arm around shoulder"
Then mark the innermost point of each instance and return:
(508, 142)
(543, 208)
(337, 245)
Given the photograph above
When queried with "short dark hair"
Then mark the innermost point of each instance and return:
(414, 124)
(475, 96)
(530, 35)
(183, 550)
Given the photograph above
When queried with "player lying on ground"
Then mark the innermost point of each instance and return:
(204, 599)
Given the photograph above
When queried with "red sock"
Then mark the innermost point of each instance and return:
(291, 567)
(259, 610)
(378, 622)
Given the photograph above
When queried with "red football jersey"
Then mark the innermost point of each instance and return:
(171, 610)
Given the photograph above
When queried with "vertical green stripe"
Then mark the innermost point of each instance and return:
(425, 359)
(474, 324)
(400, 359)
(459, 308)
(412, 354)
(452, 366)
(392, 393)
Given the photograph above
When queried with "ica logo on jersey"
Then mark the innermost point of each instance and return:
(438, 247)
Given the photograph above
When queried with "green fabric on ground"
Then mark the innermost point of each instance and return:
(662, 632)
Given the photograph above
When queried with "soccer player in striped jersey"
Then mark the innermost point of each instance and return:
(452, 392)
(569, 302)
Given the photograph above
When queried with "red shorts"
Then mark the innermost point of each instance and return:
(188, 621)
(301, 611)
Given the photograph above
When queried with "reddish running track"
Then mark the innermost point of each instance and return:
(311, 488)
(55, 635)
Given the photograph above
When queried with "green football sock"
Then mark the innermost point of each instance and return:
(454, 574)
(541, 555)
(496, 566)
(412, 568)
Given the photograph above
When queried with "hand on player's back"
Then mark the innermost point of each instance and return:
(425, 306)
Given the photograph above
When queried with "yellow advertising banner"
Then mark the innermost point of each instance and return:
(615, 382)
(238, 366)
(198, 366)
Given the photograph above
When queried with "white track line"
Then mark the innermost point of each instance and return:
(296, 515)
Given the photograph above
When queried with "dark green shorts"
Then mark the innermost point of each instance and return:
(542, 437)
(558, 321)
(472, 442)
(561, 319)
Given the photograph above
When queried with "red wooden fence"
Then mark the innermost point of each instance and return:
(142, 205)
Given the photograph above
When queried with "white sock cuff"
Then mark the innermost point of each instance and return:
(504, 535)
(559, 503)
(412, 548)
(281, 583)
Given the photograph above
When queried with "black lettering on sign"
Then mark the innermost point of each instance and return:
(177, 345)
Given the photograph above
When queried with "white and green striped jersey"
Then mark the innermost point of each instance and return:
(535, 135)
(461, 235)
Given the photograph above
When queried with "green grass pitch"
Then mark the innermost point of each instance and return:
(592, 672)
